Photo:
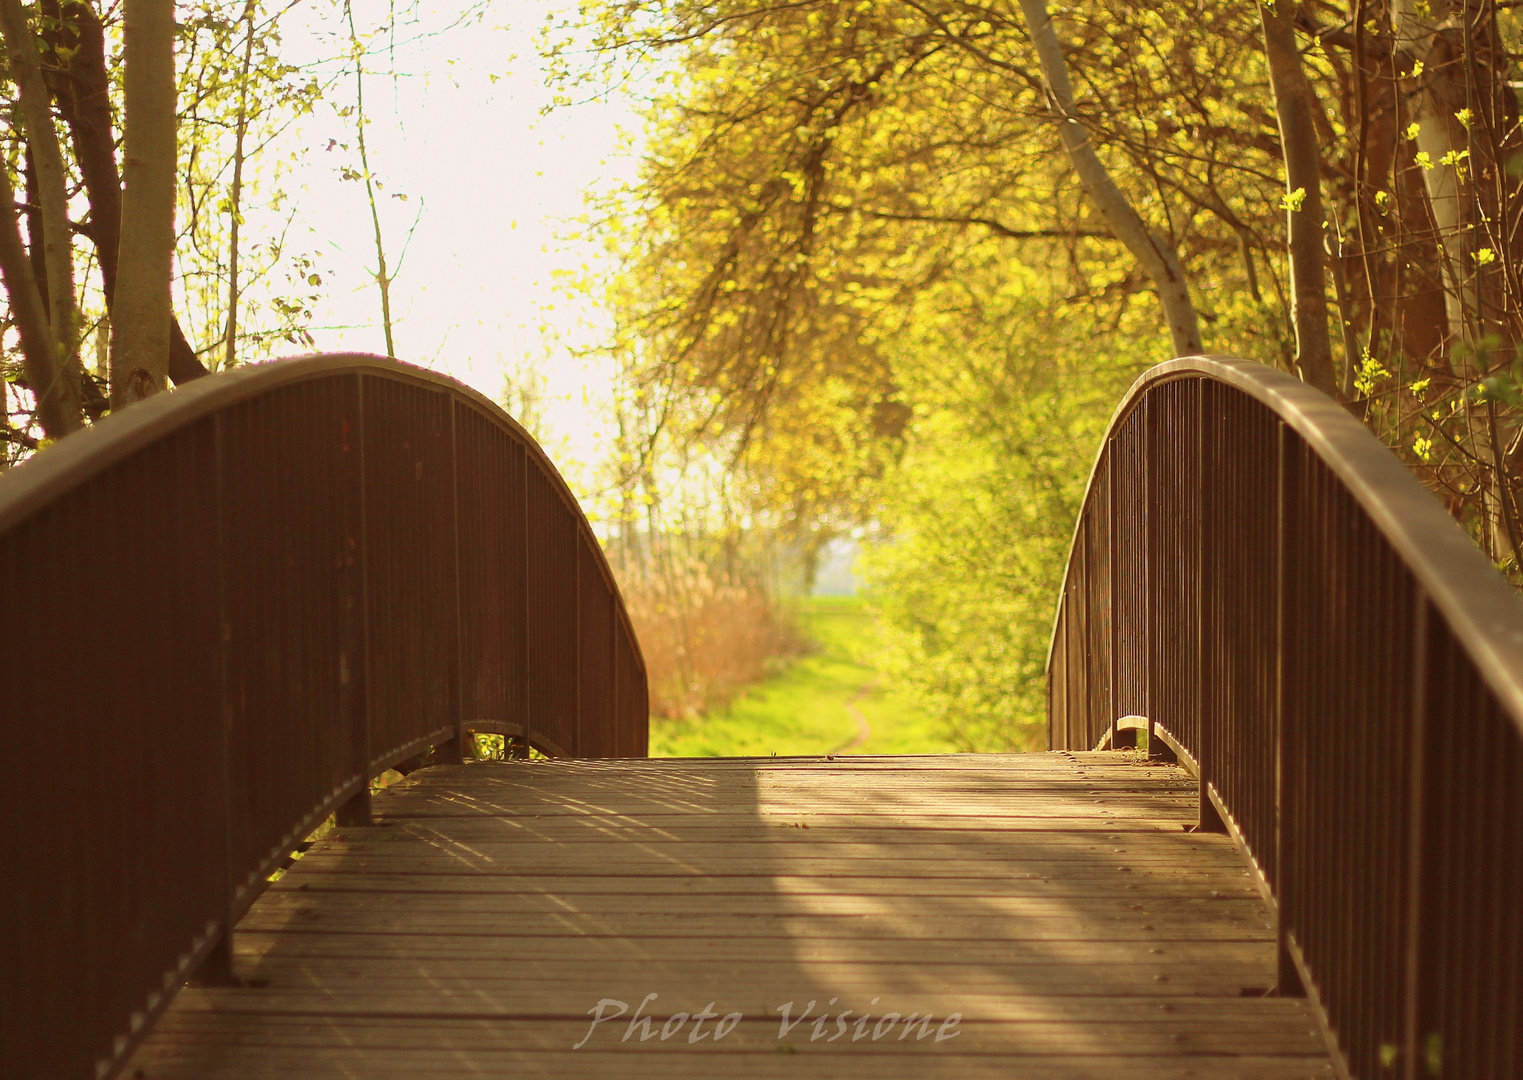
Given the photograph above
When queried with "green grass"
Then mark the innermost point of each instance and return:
(808, 708)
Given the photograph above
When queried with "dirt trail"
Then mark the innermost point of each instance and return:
(864, 729)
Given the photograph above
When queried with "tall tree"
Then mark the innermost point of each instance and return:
(58, 408)
(140, 318)
(235, 196)
(1154, 253)
(51, 184)
(1296, 110)
(81, 87)
(1427, 33)
(383, 277)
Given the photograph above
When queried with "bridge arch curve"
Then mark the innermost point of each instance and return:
(1267, 590)
(245, 600)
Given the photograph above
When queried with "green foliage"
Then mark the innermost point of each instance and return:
(859, 272)
(979, 517)
(230, 73)
(826, 182)
(278, 286)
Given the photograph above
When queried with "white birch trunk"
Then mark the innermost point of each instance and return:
(1439, 134)
(52, 183)
(1156, 255)
(141, 313)
(57, 411)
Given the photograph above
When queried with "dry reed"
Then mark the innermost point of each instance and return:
(705, 638)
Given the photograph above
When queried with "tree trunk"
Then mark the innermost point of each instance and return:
(1296, 108)
(1467, 120)
(1437, 98)
(57, 400)
(81, 88)
(31, 211)
(382, 277)
(1453, 63)
(1418, 273)
(1396, 256)
(1157, 255)
(141, 315)
(47, 169)
(235, 215)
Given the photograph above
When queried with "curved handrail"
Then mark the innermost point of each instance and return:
(1456, 575)
(242, 601)
(1306, 628)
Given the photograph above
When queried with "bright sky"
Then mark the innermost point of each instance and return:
(490, 184)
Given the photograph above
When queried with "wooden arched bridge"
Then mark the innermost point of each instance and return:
(1276, 836)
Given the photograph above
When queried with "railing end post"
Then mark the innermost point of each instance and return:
(1208, 817)
(451, 751)
(1159, 750)
(1287, 978)
(216, 971)
(355, 813)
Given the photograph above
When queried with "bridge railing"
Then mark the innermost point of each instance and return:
(1302, 624)
(229, 608)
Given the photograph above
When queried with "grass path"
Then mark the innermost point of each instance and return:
(834, 701)
(864, 729)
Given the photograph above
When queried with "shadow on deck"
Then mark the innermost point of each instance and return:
(1054, 902)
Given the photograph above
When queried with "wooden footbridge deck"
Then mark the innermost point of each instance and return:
(1053, 903)
(240, 605)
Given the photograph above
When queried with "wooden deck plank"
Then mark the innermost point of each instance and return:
(1055, 901)
(286, 949)
(1014, 1039)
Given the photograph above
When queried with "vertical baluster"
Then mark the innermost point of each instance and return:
(1415, 977)
(1079, 676)
(580, 734)
(1060, 658)
(217, 968)
(1287, 978)
(1110, 524)
(514, 750)
(1158, 409)
(1052, 677)
(354, 662)
(453, 751)
(1208, 540)
(613, 737)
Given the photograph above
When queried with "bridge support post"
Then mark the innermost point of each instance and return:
(1208, 818)
(1158, 750)
(355, 812)
(216, 971)
(451, 752)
